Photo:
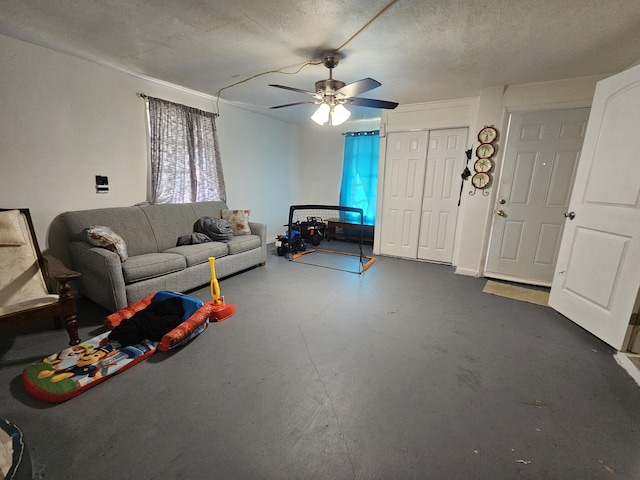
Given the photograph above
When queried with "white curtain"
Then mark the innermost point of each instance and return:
(185, 155)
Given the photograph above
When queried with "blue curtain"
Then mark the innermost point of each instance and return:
(359, 186)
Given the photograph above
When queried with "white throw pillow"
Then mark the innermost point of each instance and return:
(239, 220)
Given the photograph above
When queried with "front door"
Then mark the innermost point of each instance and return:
(597, 278)
(540, 161)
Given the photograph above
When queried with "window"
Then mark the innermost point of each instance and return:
(359, 188)
(185, 156)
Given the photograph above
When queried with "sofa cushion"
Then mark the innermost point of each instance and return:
(200, 253)
(169, 222)
(150, 265)
(242, 243)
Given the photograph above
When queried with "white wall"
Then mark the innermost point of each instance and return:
(64, 120)
(260, 161)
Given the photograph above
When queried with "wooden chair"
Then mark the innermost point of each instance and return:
(25, 293)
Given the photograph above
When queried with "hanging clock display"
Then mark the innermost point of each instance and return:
(484, 164)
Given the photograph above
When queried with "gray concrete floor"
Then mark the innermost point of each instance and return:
(406, 371)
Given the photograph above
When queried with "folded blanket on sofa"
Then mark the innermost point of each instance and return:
(193, 239)
(217, 229)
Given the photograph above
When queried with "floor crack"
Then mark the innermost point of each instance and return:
(333, 408)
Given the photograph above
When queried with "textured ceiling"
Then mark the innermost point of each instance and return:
(419, 50)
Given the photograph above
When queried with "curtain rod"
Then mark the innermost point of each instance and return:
(145, 96)
(354, 134)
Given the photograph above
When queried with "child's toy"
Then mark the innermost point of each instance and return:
(294, 244)
(313, 230)
(70, 372)
(219, 310)
(196, 315)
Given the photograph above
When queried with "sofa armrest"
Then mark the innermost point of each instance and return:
(102, 279)
(260, 229)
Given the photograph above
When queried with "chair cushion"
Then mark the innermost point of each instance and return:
(28, 304)
(151, 265)
(10, 230)
(20, 277)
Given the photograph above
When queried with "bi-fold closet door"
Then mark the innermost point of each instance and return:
(420, 194)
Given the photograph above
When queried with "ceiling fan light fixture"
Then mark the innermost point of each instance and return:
(339, 114)
(330, 95)
(321, 115)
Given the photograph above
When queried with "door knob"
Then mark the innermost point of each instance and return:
(502, 201)
(501, 213)
(570, 215)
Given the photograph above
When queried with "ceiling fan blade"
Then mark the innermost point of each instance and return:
(293, 89)
(292, 104)
(370, 102)
(361, 86)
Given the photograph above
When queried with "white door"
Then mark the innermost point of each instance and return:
(539, 166)
(402, 197)
(597, 278)
(445, 162)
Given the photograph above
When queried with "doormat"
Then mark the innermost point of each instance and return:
(539, 297)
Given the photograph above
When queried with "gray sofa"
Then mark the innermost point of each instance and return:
(150, 233)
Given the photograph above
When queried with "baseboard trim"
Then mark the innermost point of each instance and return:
(467, 272)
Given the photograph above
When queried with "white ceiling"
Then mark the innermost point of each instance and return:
(419, 50)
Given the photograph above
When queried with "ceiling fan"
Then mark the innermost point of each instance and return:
(332, 95)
